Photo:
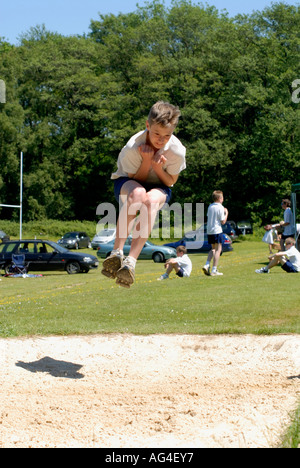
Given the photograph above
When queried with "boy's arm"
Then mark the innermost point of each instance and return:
(142, 173)
(157, 164)
(277, 255)
(164, 177)
(226, 216)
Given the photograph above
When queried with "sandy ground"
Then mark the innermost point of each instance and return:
(157, 391)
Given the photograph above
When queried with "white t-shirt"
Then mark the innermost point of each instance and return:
(185, 263)
(288, 218)
(215, 216)
(130, 160)
(294, 257)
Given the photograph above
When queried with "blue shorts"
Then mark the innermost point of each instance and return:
(118, 184)
(180, 273)
(215, 239)
(289, 267)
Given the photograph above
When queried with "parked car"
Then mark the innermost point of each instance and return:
(46, 255)
(104, 236)
(244, 227)
(230, 231)
(4, 237)
(197, 242)
(157, 253)
(75, 240)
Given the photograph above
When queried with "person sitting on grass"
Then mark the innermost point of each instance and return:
(289, 259)
(182, 264)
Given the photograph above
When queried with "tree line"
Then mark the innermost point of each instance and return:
(73, 102)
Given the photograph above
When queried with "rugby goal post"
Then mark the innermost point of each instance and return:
(20, 207)
(2, 92)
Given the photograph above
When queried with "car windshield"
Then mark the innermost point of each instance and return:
(70, 235)
(106, 233)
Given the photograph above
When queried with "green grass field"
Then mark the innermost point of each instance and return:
(239, 302)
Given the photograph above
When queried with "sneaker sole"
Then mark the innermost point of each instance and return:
(206, 272)
(125, 278)
(111, 266)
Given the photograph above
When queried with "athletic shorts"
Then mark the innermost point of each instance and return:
(180, 273)
(289, 267)
(215, 239)
(118, 184)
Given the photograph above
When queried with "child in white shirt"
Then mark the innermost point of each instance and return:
(289, 259)
(182, 264)
(217, 215)
(148, 166)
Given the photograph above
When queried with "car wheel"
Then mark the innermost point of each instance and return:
(7, 268)
(158, 257)
(73, 268)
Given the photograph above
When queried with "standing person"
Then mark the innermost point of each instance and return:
(217, 215)
(148, 166)
(287, 223)
(289, 259)
(182, 264)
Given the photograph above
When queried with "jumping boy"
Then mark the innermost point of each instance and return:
(148, 166)
(182, 264)
(216, 216)
(289, 259)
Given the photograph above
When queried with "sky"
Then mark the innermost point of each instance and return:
(72, 17)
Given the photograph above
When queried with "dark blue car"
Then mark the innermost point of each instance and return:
(199, 244)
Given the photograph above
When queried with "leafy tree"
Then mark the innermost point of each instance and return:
(73, 102)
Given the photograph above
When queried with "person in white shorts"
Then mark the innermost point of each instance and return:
(182, 264)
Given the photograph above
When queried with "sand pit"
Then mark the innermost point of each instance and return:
(157, 391)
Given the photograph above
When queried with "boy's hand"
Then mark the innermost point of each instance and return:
(146, 152)
(158, 160)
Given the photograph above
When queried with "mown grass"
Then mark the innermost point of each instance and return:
(239, 302)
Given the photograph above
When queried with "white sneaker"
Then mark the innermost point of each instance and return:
(112, 264)
(126, 274)
(163, 277)
(262, 270)
(206, 270)
(216, 273)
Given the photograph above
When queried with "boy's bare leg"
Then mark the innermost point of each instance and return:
(131, 199)
(153, 201)
(218, 250)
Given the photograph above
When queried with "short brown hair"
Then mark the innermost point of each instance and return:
(287, 202)
(217, 194)
(181, 248)
(164, 114)
(290, 240)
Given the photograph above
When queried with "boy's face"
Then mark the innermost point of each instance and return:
(159, 135)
